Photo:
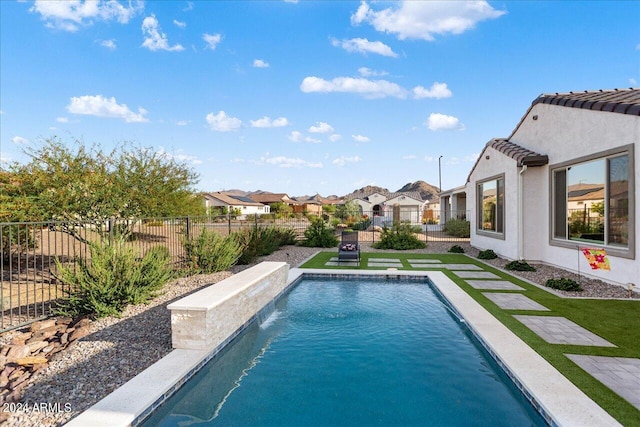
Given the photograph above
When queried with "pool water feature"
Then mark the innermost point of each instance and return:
(351, 352)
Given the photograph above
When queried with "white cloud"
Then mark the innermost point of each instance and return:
(5, 158)
(341, 161)
(155, 39)
(180, 156)
(259, 63)
(69, 15)
(437, 121)
(295, 136)
(188, 7)
(368, 72)
(409, 157)
(62, 120)
(367, 88)
(312, 140)
(321, 127)
(266, 122)
(222, 123)
(289, 162)
(182, 122)
(361, 138)
(180, 24)
(100, 106)
(335, 137)
(633, 81)
(109, 44)
(437, 90)
(364, 46)
(425, 19)
(19, 140)
(212, 40)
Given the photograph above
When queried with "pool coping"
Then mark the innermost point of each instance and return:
(559, 401)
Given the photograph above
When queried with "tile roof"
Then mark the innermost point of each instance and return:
(522, 155)
(624, 101)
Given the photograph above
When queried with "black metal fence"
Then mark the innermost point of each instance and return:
(30, 249)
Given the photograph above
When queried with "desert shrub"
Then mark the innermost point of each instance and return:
(260, 241)
(363, 224)
(400, 237)
(113, 278)
(210, 252)
(457, 228)
(519, 265)
(564, 284)
(456, 249)
(319, 234)
(487, 254)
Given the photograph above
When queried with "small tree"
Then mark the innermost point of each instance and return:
(83, 185)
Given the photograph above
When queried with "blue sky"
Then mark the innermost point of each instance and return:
(301, 97)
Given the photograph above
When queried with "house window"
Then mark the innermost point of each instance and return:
(590, 200)
(491, 206)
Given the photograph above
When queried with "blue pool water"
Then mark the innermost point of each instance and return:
(351, 353)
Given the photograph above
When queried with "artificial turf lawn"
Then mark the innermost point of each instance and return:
(614, 320)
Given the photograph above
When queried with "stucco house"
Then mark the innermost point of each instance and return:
(244, 205)
(564, 180)
(377, 204)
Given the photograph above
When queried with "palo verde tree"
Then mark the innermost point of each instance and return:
(86, 185)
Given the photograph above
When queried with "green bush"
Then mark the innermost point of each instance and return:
(457, 228)
(456, 249)
(363, 224)
(210, 252)
(487, 254)
(260, 241)
(400, 237)
(319, 234)
(519, 266)
(113, 278)
(564, 284)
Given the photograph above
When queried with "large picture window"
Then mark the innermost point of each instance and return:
(590, 200)
(490, 196)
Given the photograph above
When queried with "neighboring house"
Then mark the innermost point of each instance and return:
(244, 205)
(312, 205)
(565, 179)
(376, 204)
(453, 204)
(269, 198)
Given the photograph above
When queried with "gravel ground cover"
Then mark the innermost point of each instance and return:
(120, 348)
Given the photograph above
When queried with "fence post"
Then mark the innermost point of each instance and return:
(112, 226)
(188, 230)
(229, 221)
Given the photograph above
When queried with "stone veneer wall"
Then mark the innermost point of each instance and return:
(208, 317)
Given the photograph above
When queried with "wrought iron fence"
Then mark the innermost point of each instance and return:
(31, 250)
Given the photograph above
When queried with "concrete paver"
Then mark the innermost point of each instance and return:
(620, 374)
(476, 275)
(558, 330)
(502, 285)
(514, 301)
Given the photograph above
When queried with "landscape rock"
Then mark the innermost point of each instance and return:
(80, 332)
(17, 351)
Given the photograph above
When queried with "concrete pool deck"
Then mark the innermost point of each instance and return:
(560, 401)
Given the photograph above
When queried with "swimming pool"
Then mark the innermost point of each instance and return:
(351, 352)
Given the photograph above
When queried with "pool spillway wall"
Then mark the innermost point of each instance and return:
(208, 317)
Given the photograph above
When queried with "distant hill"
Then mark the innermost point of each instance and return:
(427, 191)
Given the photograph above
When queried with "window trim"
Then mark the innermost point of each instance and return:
(487, 233)
(630, 251)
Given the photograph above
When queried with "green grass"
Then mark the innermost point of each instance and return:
(614, 320)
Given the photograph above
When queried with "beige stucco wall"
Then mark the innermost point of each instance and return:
(565, 134)
(496, 164)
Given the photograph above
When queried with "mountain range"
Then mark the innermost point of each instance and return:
(426, 190)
